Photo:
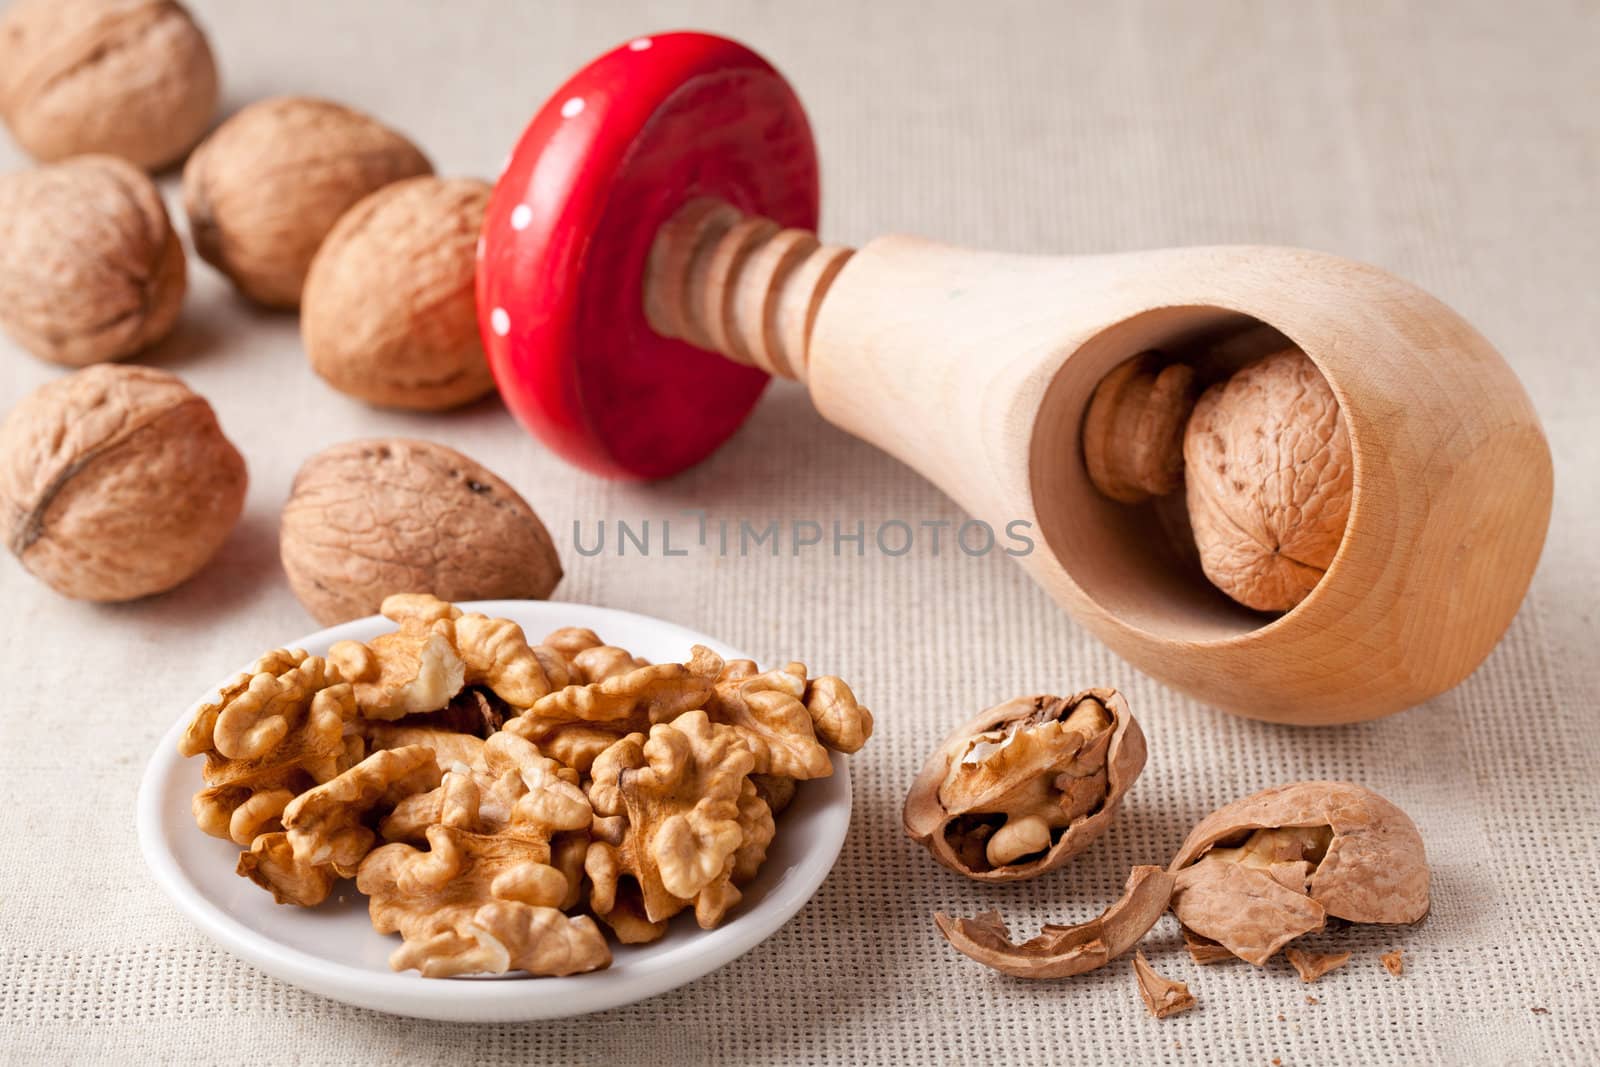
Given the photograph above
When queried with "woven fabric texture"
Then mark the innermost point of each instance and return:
(1456, 144)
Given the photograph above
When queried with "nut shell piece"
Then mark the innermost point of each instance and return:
(129, 78)
(90, 267)
(1363, 861)
(1162, 996)
(1061, 951)
(1269, 481)
(372, 518)
(1313, 965)
(388, 315)
(1133, 430)
(268, 185)
(116, 482)
(1023, 770)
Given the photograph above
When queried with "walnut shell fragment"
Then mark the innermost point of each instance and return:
(1259, 872)
(1313, 965)
(90, 267)
(1133, 430)
(129, 78)
(368, 519)
(1161, 995)
(116, 482)
(1026, 785)
(268, 184)
(1062, 951)
(1269, 477)
(388, 315)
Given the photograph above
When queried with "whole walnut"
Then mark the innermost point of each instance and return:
(116, 482)
(129, 78)
(1269, 480)
(265, 188)
(90, 268)
(370, 518)
(389, 314)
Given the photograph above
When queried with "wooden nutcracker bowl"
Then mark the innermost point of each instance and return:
(647, 263)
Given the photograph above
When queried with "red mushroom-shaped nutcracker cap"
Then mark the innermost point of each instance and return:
(610, 157)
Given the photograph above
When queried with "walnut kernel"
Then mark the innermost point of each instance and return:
(1026, 785)
(1259, 872)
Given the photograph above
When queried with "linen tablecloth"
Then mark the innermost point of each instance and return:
(1456, 144)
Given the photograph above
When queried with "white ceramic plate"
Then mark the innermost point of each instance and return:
(333, 949)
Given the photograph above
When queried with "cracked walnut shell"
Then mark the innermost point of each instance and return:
(266, 187)
(1026, 785)
(116, 482)
(389, 315)
(128, 78)
(1269, 478)
(1257, 873)
(90, 268)
(1062, 951)
(368, 519)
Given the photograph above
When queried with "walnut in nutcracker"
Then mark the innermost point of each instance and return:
(90, 268)
(1026, 785)
(371, 518)
(266, 187)
(388, 314)
(1263, 457)
(129, 78)
(1269, 478)
(116, 482)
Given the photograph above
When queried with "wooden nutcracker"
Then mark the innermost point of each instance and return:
(649, 261)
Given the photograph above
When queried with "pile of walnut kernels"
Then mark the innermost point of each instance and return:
(493, 799)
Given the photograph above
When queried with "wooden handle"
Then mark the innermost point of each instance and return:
(739, 285)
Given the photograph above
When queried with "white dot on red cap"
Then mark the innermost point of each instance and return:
(572, 107)
(639, 44)
(521, 215)
(500, 322)
(480, 248)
